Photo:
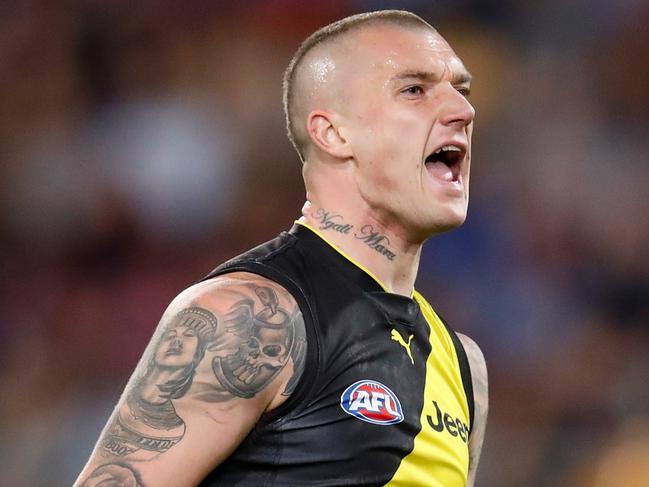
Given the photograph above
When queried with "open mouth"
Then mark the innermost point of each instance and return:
(445, 163)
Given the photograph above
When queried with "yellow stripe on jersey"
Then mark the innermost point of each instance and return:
(361, 267)
(440, 455)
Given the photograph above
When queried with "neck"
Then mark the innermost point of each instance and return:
(380, 250)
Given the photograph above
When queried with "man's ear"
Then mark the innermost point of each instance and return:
(327, 136)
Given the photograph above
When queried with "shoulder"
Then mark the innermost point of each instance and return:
(481, 400)
(236, 281)
(474, 355)
(222, 294)
(259, 334)
(479, 377)
(268, 302)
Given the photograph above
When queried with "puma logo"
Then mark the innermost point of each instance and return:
(396, 336)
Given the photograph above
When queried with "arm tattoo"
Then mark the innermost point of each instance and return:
(267, 338)
(247, 348)
(298, 353)
(147, 423)
(118, 474)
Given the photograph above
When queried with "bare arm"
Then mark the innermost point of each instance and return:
(225, 351)
(481, 400)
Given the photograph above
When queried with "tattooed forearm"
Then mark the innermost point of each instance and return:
(375, 240)
(332, 222)
(267, 337)
(147, 423)
(114, 474)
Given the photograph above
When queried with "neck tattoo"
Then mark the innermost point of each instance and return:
(332, 222)
(367, 234)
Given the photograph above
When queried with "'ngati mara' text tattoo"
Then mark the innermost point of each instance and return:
(332, 222)
(375, 240)
(243, 350)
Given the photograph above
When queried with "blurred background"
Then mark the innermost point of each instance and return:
(142, 146)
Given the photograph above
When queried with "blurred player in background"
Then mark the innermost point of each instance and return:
(311, 359)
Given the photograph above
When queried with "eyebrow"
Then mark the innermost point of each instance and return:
(463, 77)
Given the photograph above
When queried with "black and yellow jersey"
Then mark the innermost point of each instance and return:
(385, 397)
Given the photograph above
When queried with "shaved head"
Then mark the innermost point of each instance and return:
(311, 79)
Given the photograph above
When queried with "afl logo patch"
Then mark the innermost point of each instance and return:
(372, 402)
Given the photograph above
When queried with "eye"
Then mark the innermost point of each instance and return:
(415, 90)
(464, 91)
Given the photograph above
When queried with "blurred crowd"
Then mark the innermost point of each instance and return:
(140, 146)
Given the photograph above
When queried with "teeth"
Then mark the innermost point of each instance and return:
(445, 148)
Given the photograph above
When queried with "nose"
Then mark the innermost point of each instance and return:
(455, 108)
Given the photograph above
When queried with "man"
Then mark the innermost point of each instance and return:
(326, 367)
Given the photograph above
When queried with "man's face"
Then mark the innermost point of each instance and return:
(177, 347)
(409, 124)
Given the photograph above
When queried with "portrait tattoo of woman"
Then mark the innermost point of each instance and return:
(147, 424)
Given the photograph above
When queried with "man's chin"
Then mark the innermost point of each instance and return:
(450, 221)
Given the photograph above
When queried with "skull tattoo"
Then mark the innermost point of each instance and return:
(265, 346)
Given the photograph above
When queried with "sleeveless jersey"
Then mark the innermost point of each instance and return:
(385, 397)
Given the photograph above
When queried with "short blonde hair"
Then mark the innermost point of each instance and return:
(327, 34)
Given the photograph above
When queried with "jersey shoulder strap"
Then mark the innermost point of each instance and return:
(465, 371)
